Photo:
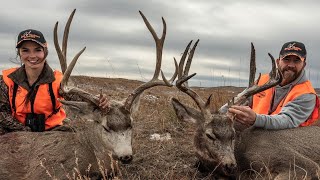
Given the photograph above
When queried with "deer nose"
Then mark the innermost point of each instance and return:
(230, 168)
(126, 159)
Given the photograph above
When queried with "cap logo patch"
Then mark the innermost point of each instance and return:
(292, 47)
(29, 35)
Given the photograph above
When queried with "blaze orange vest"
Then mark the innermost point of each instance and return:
(262, 101)
(42, 102)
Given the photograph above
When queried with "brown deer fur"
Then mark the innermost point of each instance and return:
(98, 133)
(251, 153)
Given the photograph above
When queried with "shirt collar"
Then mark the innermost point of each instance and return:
(19, 76)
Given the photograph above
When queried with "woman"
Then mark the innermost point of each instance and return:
(28, 94)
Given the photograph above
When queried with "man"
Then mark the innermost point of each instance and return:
(290, 104)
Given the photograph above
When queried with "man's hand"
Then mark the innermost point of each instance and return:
(243, 114)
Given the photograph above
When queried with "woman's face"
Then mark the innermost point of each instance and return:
(32, 55)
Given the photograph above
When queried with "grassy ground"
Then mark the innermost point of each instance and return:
(156, 159)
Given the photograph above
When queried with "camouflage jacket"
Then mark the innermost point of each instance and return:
(7, 122)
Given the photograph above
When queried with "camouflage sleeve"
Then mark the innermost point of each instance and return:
(7, 122)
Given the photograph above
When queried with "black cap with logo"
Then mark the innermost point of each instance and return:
(31, 35)
(294, 48)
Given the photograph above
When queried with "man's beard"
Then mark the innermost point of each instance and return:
(289, 75)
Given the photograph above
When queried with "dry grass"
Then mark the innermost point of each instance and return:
(75, 174)
(167, 159)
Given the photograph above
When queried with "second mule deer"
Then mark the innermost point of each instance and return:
(98, 135)
(291, 153)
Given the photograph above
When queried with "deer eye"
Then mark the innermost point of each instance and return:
(106, 128)
(210, 135)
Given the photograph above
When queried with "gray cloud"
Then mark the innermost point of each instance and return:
(119, 44)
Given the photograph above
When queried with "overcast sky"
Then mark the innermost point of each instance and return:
(120, 46)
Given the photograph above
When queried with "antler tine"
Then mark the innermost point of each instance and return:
(190, 57)
(154, 81)
(273, 72)
(159, 43)
(67, 70)
(183, 78)
(182, 60)
(253, 68)
(169, 83)
(197, 99)
(75, 104)
(66, 35)
(275, 79)
(62, 59)
(175, 72)
(62, 54)
(207, 104)
(184, 72)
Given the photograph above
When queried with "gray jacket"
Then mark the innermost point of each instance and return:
(292, 114)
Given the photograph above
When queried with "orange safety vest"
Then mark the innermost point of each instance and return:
(262, 101)
(41, 102)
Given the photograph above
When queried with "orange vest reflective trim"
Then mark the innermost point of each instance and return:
(262, 101)
(42, 102)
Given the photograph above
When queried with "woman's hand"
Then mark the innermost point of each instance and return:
(104, 102)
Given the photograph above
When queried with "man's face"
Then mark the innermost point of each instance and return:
(291, 67)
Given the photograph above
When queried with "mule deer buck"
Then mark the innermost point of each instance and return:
(252, 153)
(98, 134)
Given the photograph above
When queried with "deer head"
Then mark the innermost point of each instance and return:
(114, 125)
(215, 136)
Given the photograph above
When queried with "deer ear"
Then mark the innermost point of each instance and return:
(182, 112)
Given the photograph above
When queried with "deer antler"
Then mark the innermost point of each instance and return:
(275, 79)
(154, 81)
(183, 78)
(63, 63)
